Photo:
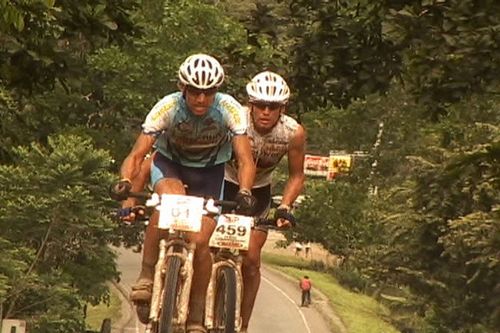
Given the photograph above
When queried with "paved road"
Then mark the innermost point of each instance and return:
(276, 309)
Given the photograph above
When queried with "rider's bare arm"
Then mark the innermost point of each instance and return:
(246, 166)
(296, 152)
(139, 182)
(131, 166)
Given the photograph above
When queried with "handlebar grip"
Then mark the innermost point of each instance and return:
(265, 222)
(140, 195)
(272, 219)
(226, 203)
(287, 216)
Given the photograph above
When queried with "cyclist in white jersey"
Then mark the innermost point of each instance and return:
(194, 132)
(273, 135)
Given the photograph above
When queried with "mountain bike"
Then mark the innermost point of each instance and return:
(179, 214)
(225, 289)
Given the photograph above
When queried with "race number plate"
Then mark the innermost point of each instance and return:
(180, 212)
(232, 232)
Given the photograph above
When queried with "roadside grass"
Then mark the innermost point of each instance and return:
(96, 314)
(359, 313)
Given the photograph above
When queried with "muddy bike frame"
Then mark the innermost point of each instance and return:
(186, 254)
(227, 263)
(173, 275)
(231, 259)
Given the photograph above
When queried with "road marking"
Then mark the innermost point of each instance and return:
(291, 301)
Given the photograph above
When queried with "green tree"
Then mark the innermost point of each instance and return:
(45, 82)
(333, 215)
(45, 41)
(55, 210)
(449, 48)
(430, 229)
(340, 53)
(439, 221)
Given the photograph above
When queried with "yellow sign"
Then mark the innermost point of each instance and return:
(338, 164)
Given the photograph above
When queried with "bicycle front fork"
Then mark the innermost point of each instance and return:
(187, 256)
(211, 291)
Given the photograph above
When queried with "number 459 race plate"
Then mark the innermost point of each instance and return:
(232, 232)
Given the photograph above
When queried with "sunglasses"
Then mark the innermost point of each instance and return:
(271, 105)
(196, 91)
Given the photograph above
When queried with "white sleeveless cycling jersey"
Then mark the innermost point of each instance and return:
(267, 150)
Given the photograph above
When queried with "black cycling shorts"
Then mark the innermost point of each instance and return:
(262, 194)
(202, 182)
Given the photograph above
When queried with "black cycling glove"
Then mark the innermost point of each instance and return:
(246, 203)
(120, 191)
(126, 212)
(283, 213)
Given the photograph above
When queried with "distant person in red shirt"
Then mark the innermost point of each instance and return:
(305, 285)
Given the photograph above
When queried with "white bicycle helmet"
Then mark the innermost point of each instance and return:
(201, 71)
(268, 87)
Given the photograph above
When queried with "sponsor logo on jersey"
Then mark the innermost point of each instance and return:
(164, 109)
(234, 110)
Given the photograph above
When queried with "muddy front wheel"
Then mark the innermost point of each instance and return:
(170, 292)
(225, 301)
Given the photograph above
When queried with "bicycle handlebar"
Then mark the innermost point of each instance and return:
(228, 204)
(221, 203)
(140, 195)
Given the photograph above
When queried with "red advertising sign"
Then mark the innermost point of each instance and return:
(315, 165)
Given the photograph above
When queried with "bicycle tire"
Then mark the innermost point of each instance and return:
(225, 301)
(170, 292)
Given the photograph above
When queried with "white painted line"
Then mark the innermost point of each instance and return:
(291, 301)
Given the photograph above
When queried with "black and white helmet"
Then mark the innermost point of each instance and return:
(201, 71)
(268, 87)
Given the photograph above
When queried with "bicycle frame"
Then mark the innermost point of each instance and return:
(166, 249)
(228, 256)
(174, 245)
(187, 255)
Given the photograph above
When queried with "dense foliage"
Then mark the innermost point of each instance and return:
(431, 233)
(53, 234)
(76, 79)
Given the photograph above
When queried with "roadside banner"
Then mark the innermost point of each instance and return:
(316, 165)
(338, 163)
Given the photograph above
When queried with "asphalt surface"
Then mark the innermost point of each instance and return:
(277, 307)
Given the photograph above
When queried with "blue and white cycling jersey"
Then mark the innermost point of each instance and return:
(195, 141)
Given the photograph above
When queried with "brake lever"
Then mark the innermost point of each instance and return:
(210, 207)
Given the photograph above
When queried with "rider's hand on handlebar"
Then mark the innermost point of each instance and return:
(120, 190)
(283, 224)
(284, 219)
(131, 214)
(246, 203)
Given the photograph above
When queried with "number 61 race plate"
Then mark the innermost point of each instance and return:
(180, 212)
(232, 232)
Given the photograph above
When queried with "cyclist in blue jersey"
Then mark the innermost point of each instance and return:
(194, 132)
